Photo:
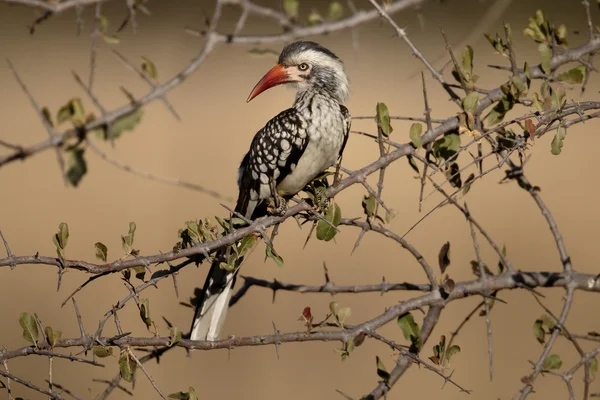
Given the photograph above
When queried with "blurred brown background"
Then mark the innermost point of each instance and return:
(206, 147)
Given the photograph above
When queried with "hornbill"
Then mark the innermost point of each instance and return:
(285, 155)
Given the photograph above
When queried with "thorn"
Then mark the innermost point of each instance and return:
(276, 332)
(327, 280)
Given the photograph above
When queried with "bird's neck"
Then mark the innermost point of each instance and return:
(305, 97)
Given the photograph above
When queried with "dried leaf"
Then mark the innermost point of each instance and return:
(444, 257)
(101, 251)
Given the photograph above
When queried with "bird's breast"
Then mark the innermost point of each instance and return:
(325, 130)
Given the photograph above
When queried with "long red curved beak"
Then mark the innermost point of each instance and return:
(276, 76)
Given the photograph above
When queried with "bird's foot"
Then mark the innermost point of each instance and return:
(278, 205)
(321, 200)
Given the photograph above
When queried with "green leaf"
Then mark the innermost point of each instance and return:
(103, 23)
(72, 111)
(467, 62)
(538, 331)
(593, 367)
(325, 231)
(175, 336)
(381, 370)
(111, 39)
(574, 76)
(47, 116)
(452, 351)
(30, 328)
(537, 103)
(245, 245)
(469, 103)
(101, 251)
(52, 335)
(125, 123)
(127, 240)
(546, 56)
(382, 117)
(149, 68)
(553, 361)
(369, 204)
(499, 111)
(102, 352)
(145, 312)
(127, 367)
(314, 18)
(446, 146)
(409, 327)
(77, 166)
(336, 10)
(61, 238)
(557, 142)
(343, 314)
(501, 266)
(291, 8)
(415, 135)
(275, 257)
(190, 395)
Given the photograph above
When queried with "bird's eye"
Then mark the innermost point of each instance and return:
(303, 67)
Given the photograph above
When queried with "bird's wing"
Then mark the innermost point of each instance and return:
(275, 149)
(347, 124)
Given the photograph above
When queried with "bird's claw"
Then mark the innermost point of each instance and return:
(278, 205)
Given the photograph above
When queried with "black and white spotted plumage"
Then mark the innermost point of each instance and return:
(287, 153)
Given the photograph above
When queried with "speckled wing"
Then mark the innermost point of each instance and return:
(347, 124)
(273, 154)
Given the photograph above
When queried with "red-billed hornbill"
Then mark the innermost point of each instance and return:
(286, 154)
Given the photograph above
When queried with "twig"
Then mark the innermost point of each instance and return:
(141, 366)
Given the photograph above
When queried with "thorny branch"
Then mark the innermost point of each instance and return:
(434, 294)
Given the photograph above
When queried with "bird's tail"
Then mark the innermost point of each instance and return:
(213, 302)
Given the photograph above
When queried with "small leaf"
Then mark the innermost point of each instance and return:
(336, 10)
(52, 335)
(276, 257)
(415, 135)
(125, 123)
(369, 204)
(102, 352)
(47, 116)
(444, 257)
(245, 245)
(557, 142)
(333, 307)
(467, 61)
(501, 266)
(77, 166)
(314, 18)
(573, 76)
(325, 231)
(409, 328)
(72, 111)
(175, 336)
(553, 361)
(469, 103)
(149, 68)
(101, 251)
(343, 314)
(546, 56)
(127, 367)
(593, 367)
(111, 39)
(62, 236)
(452, 351)
(530, 128)
(382, 117)
(291, 8)
(381, 370)
(30, 328)
(145, 312)
(538, 331)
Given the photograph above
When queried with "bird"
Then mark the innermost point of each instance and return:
(285, 155)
